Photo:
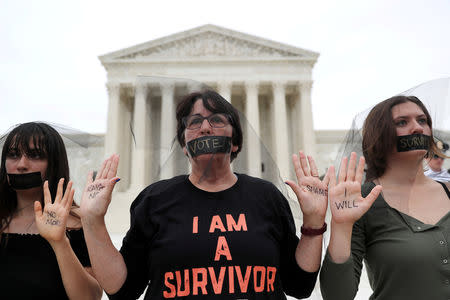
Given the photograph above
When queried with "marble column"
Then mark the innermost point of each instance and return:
(253, 140)
(280, 132)
(112, 140)
(167, 128)
(307, 139)
(224, 88)
(141, 135)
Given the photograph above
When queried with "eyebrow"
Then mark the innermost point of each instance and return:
(406, 117)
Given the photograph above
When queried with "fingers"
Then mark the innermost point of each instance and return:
(360, 169)
(100, 172)
(351, 167)
(326, 179)
(59, 191)
(89, 178)
(106, 168)
(331, 176)
(298, 169)
(67, 192)
(313, 167)
(304, 164)
(47, 195)
(113, 167)
(343, 170)
(70, 200)
(37, 209)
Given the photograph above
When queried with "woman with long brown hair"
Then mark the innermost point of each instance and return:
(398, 222)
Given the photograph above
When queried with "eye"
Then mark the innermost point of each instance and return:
(12, 154)
(401, 123)
(217, 119)
(422, 121)
(194, 120)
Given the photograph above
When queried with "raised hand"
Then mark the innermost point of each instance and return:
(347, 204)
(97, 193)
(51, 222)
(311, 192)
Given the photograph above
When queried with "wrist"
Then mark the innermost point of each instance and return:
(313, 222)
(92, 222)
(308, 231)
(59, 244)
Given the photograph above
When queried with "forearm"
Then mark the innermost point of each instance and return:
(309, 253)
(78, 283)
(107, 262)
(339, 247)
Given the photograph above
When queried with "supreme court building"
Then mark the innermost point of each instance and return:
(269, 82)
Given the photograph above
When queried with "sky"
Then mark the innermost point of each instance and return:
(369, 50)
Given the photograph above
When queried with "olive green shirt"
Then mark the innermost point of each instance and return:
(405, 258)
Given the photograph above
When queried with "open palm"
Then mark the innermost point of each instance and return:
(311, 192)
(51, 222)
(346, 201)
(97, 193)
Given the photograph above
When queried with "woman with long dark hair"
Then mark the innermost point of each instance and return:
(42, 248)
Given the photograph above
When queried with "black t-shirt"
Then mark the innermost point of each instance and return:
(28, 266)
(234, 244)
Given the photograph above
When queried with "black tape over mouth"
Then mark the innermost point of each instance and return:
(412, 142)
(25, 181)
(208, 145)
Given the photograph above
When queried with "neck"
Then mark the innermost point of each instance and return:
(404, 171)
(212, 175)
(26, 199)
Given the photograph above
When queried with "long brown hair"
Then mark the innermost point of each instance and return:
(380, 135)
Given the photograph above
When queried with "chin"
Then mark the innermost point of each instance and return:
(210, 156)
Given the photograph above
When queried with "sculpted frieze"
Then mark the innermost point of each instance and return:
(210, 44)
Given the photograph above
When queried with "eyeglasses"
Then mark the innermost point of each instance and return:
(215, 120)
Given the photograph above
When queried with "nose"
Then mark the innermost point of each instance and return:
(22, 164)
(206, 127)
(417, 127)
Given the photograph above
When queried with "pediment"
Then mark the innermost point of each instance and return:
(209, 41)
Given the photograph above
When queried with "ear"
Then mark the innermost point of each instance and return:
(234, 148)
(185, 151)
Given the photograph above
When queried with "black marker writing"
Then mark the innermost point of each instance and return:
(94, 189)
(345, 204)
(316, 190)
(51, 218)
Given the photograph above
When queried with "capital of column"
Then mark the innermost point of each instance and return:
(140, 88)
(167, 87)
(278, 85)
(251, 85)
(113, 87)
(306, 84)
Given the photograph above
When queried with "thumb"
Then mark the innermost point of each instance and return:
(111, 184)
(373, 195)
(37, 209)
(295, 188)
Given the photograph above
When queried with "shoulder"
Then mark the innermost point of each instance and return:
(173, 185)
(249, 181)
